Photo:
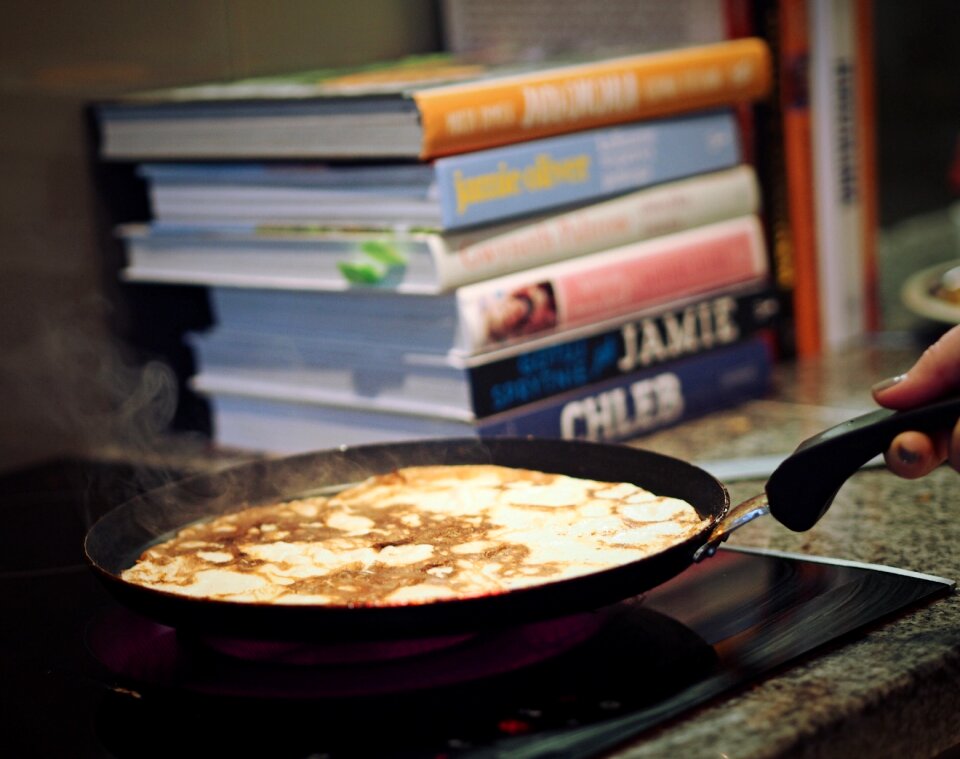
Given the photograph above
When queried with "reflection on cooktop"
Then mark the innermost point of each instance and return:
(637, 658)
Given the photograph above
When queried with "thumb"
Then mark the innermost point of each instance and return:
(936, 374)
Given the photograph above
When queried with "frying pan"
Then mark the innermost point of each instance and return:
(797, 494)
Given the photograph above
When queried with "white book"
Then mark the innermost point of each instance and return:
(842, 277)
(424, 261)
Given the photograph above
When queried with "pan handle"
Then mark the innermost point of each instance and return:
(802, 488)
(734, 519)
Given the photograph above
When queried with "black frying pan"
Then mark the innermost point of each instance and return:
(797, 494)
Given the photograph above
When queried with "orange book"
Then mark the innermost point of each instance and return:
(426, 106)
(489, 112)
(798, 169)
(866, 138)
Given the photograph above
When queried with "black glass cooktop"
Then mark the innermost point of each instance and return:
(83, 677)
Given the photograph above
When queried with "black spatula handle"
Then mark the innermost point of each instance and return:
(802, 488)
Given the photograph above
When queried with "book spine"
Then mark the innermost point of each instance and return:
(486, 113)
(604, 285)
(644, 401)
(798, 171)
(867, 154)
(643, 342)
(838, 171)
(687, 203)
(526, 178)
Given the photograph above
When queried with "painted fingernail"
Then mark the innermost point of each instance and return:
(887, 383)
(907, 456)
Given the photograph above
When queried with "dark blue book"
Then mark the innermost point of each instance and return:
(642, 402)
(279, 420)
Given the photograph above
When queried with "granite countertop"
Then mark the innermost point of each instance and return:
(895, 691)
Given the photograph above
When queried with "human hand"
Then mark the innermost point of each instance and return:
(936, 374)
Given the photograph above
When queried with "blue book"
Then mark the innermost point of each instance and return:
(267, 418)
(477, 188)
(456, 192)
(644, 401)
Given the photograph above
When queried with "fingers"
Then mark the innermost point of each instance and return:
(914, 454)
(953, 447)
(935, 374)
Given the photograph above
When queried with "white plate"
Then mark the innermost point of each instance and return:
(917, 293)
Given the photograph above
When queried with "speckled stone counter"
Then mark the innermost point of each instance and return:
(894, 691)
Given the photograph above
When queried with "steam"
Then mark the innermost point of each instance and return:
(140, 402)
(74, 392)
(99, 396)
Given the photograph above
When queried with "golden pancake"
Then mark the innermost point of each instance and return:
(417, 535)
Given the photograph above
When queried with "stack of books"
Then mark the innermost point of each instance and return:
(564, 251)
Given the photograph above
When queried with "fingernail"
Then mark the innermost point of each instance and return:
(888, 383)
(906, 455)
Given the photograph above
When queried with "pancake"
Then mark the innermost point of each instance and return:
(418, 535)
